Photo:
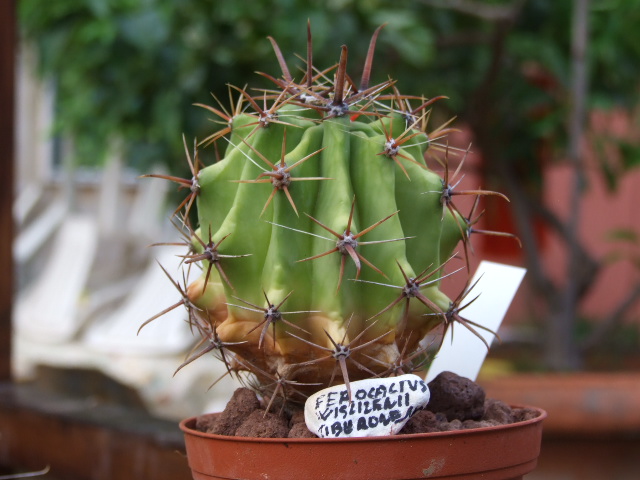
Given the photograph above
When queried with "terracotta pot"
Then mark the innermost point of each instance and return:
(578, 403)
(494, 453)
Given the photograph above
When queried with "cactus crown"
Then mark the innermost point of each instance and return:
(323, 235)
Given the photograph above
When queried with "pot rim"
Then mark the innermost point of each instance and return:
(187, 424)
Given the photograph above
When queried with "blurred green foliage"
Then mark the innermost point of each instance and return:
(131, 69)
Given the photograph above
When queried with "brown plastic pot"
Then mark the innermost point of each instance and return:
(494, 453)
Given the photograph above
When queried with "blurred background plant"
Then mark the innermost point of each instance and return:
(536, 83)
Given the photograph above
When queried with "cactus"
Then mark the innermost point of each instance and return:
(322, 233)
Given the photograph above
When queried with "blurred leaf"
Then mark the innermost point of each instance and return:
(145, 30)
(412, 39)
(608, 173)
(630, 154)
(624, 235)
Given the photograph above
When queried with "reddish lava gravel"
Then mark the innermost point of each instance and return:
(456, 403)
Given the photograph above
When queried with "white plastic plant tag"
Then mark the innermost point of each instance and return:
(378, 406)
(464, 353)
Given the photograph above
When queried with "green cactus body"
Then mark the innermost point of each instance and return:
(323, 176)
(354, 172)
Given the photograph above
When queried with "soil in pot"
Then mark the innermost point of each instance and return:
(456, 403)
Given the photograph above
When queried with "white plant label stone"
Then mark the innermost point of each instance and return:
(378, 407)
